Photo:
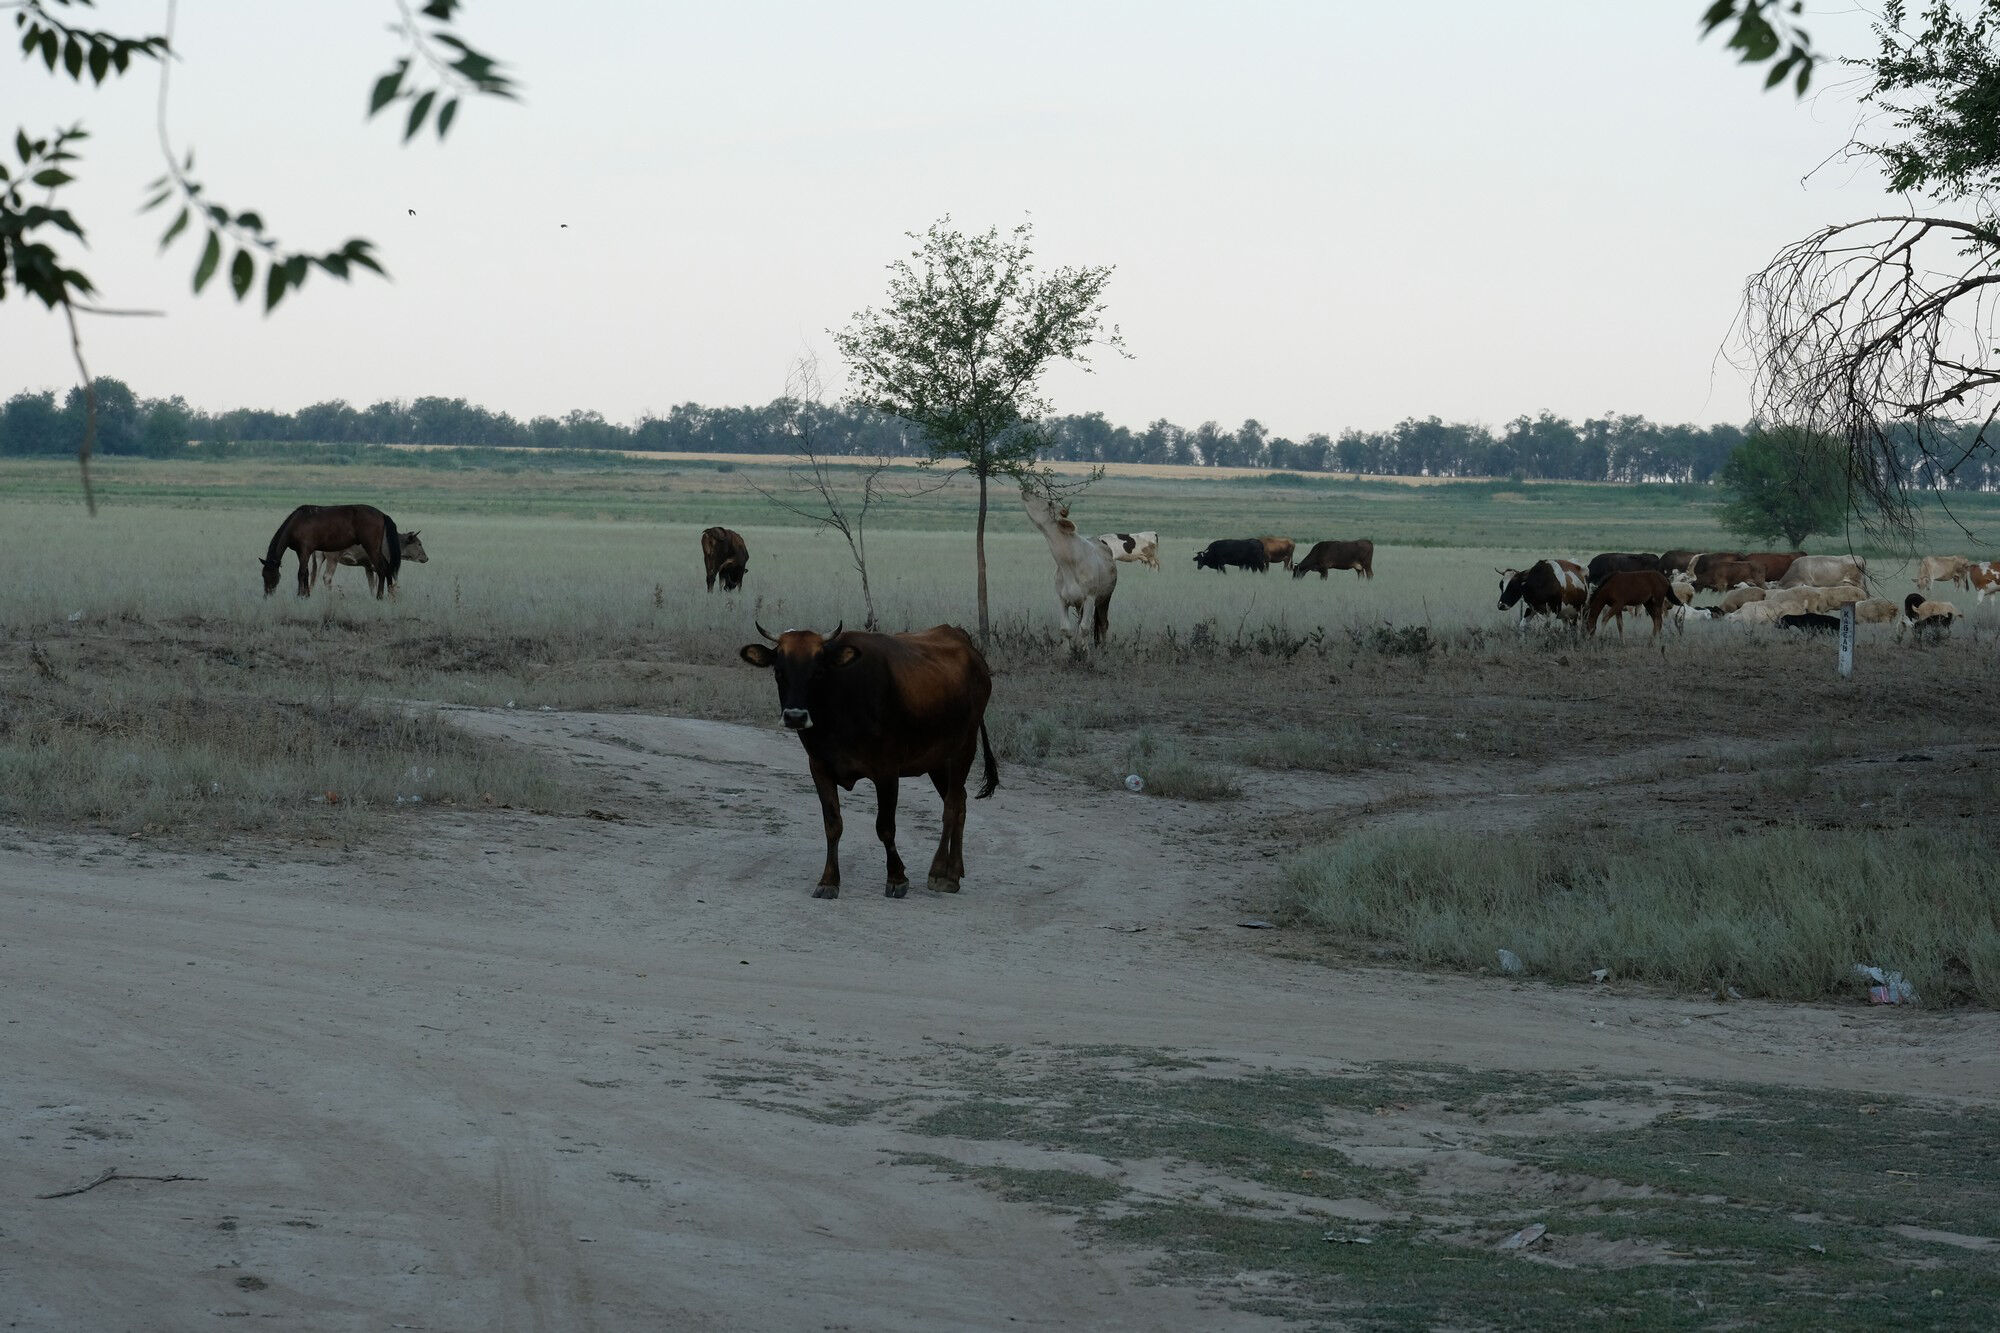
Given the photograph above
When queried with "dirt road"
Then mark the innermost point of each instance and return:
(519, 1074)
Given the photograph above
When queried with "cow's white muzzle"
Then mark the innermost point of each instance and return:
(797, 719)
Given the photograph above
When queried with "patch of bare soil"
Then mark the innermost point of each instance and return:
(536, 1073)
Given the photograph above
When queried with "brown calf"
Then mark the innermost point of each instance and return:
(1628, 590)
(724, 555)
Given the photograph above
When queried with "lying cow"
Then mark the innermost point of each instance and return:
(1876, 611)
(1825, 571)
(884, 707)
(1545, 588)
(1244, 553)
(1950, 568)
(1142, 547)
(1811, 623)
(1358, 556)
(725, 556)
(1738, 598)
(1278, 550)
(1629, 590)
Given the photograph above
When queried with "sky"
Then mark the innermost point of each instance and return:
(1323, 215)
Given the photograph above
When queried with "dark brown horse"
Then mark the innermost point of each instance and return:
(313, 528)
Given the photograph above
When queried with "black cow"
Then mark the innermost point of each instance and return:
(1811, 623)
(1604, 566)
(883, 707)
(1246, 553)
(1358, 556)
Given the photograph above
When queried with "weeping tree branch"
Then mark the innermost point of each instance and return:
(1881, 334)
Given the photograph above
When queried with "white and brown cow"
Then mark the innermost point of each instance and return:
(1086, 575)
(1983, 578)
(1141, 547)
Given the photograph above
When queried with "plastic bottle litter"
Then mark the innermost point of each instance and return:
(1889, 987)
(1509, 961)
(1133, 782)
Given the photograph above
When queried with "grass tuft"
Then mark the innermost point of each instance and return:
(1782, 913)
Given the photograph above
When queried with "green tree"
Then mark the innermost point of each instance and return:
(960, 345)
(1785, 483)
(436, 69)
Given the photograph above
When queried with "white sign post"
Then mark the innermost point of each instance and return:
(1847, 641)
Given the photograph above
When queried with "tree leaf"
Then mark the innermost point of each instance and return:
(385, 88)
(211, 255)
(73, 56)
(274, 287)
(51, 177)
(418, 111)
(241, 270)
(100, 62)
(445, 116)
(179, 224)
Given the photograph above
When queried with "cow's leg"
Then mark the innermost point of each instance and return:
(829, 813)
(898, 883)
(948, 866)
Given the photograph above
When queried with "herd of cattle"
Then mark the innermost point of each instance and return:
(1789, 589)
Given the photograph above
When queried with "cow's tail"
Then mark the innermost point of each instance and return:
(392, 547)
(992, 782)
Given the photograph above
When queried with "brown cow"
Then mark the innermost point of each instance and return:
(884, 707)
(1629, 589)
(1278, 550)
(724, 555)
(1771, 564)
(1358, 556)
(1722, 575)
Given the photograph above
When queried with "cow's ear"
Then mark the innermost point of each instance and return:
(756, 654)
(842, 655)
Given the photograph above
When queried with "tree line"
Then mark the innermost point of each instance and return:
(1545, 447)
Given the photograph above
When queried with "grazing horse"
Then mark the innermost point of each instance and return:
(1085, 571)
(724, 555)
(326, 562)
(310, 529)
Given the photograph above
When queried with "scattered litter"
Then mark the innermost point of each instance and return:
(1525, 1237)
(1346, 1240)
(1601, 975)
(1133, 782)
(1732, 992)
(409, 800)
(215, 789)
(1817, 1249)
(547, 709)
(1889, 987)
(510, 703)
(1509, 961)
(1256, 925)
(75, 616)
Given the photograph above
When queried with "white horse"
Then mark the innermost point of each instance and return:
(1085, 571)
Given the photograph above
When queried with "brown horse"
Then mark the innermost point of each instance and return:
(313, 528)
(327, 562)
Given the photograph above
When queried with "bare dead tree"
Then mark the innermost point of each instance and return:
(1881, 334)
(833, 494)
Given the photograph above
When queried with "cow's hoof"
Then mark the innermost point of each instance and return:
(896, 890)
(939, 884)
(827, 891)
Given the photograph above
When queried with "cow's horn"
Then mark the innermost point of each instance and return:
(766, 633)
(838, 626)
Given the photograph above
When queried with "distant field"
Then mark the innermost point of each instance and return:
(1520, 518)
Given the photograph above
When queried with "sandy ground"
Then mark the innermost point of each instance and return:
(477, 1081)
